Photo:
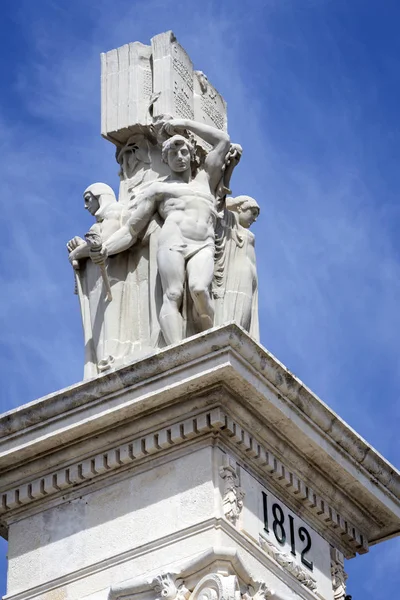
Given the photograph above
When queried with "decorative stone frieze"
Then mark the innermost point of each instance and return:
(288, 563)
(142, 448)
(233, 493)
(339, 576)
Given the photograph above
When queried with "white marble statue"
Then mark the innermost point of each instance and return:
(186, 244)
(172, 256)
(163, 264)
(235, 286)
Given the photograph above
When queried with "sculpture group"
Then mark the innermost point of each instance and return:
(173, 256)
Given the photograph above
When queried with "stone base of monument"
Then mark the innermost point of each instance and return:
(206, 470)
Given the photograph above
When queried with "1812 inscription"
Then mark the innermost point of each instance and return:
(274, 518)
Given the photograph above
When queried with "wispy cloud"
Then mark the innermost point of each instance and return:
(312, 104)
(329, 274)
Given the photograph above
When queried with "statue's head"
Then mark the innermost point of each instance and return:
(178, 153)
(97, 197)
(246, 208)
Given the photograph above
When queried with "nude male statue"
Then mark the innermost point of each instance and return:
(187, 240)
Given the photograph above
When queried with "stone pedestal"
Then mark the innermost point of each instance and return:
(206, 470)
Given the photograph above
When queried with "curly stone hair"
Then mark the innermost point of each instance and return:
(177, 140)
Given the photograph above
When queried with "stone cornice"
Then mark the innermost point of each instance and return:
(224, 355)
(82, 473)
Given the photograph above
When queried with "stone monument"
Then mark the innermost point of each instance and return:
(189, 464)
(162, 267)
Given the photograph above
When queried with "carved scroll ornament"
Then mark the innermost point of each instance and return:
(169, 588)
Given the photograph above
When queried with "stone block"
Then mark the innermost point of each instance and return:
(140, 83)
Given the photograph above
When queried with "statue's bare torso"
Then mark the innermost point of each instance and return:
(186, 244)
(188, 211)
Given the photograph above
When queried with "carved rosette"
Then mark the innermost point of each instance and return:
(287, 562)
(233, 494)
(217, 587)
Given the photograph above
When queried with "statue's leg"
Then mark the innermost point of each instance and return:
(171, 266)
(200, 271)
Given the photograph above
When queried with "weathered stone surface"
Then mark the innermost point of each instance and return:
(172, 78)
(126, 90)
(222, 357)
(146, 467)
(141, 82)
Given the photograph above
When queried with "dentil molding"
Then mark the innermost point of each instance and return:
(215, 420)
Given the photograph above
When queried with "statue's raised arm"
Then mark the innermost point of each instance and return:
(218, 139)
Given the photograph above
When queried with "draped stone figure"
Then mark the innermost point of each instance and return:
(235, 286)
(127, 326)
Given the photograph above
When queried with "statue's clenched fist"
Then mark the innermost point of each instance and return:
(74, 243)
(98, 254)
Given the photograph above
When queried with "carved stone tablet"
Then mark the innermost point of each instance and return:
(209, 105)
(126, 89)
(172, 77)
(140, 83)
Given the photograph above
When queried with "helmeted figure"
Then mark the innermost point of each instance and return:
(126, 326)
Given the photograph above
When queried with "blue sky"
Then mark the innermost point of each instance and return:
(313, 92)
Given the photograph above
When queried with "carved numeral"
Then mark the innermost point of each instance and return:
(265, 511)
(292, 540)
(304, 535)
(277, 524)
(280, 532)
